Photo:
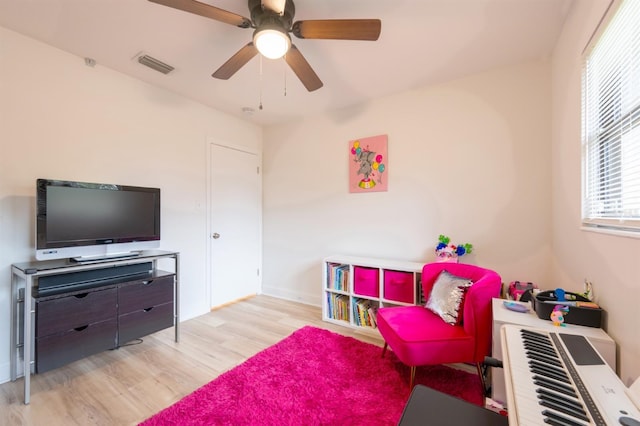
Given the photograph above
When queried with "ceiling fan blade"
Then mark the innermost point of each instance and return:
(236, 62)
(338, 29)
(207, 11)
(303, 70)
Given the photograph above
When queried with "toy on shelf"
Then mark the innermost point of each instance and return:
(557, 315)
(518, 288)
(447, 252)
(515, 306)
(588, 290)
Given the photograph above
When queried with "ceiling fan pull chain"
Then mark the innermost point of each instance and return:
(284, 67)
(260, 107)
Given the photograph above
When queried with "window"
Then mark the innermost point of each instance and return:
(611, 125)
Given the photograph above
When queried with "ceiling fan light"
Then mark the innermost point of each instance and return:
(271, 43)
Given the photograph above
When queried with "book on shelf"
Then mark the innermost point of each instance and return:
(338, 306)
(372, 315)
(338, 276)
(364, 313)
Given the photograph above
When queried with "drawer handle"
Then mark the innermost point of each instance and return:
(81, 296)
(84, 327)
(148, 309)
(147, 282)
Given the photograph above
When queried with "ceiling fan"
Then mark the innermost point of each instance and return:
(272, 21)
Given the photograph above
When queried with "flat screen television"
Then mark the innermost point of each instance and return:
(86, 221)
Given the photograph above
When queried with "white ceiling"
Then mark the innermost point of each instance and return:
(422, 42)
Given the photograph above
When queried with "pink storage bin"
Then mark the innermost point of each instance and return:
(365, 281)
(398, 286)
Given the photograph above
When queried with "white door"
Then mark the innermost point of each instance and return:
(235, 215)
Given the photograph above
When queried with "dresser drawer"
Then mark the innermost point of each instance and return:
(59, 314)
(145, 321)
(144, 294)
(59, 349)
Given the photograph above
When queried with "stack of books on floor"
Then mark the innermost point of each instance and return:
(364, 313)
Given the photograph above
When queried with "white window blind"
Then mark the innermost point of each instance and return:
(611, 125)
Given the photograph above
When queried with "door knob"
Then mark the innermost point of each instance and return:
(215, 236)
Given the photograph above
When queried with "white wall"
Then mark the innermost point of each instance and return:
(61, 119)
(610, 262)
(469, 159)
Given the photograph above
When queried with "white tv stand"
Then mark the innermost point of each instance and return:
(98, 310)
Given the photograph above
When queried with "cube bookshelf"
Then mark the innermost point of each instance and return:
(354, 288)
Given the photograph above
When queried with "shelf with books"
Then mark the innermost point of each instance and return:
(337, 306)
(364, 312)
(337, 276)
(355, 287)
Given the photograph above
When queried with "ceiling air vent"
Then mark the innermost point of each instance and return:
(155, 64)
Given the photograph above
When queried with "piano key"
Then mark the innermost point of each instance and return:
(546, 353)
(547, 373)
(543, 349)
(553, 385)
(553, 422)
(575, 414)
(527, 334)
(552, 368)
(536, 337)
(543, 358)
(561, 420)
(530, 332)
(564, 399)
(539, 348)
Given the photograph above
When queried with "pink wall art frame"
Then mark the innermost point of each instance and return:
(368, 164)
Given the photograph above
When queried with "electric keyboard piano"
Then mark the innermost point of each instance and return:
(560, 379)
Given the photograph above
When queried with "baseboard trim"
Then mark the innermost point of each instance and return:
(294, 296)
(5, 372)
(249, 296)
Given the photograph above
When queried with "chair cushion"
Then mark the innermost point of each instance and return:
(419, 337)
(447, 296)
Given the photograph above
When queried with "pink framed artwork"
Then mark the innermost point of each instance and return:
(368, 164)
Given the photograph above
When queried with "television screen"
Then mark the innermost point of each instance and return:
(80, 219)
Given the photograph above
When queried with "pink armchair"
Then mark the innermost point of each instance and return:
(420, 337)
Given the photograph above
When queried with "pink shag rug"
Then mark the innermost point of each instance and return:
(314, 377)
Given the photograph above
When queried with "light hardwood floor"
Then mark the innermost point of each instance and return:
(127, 385)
